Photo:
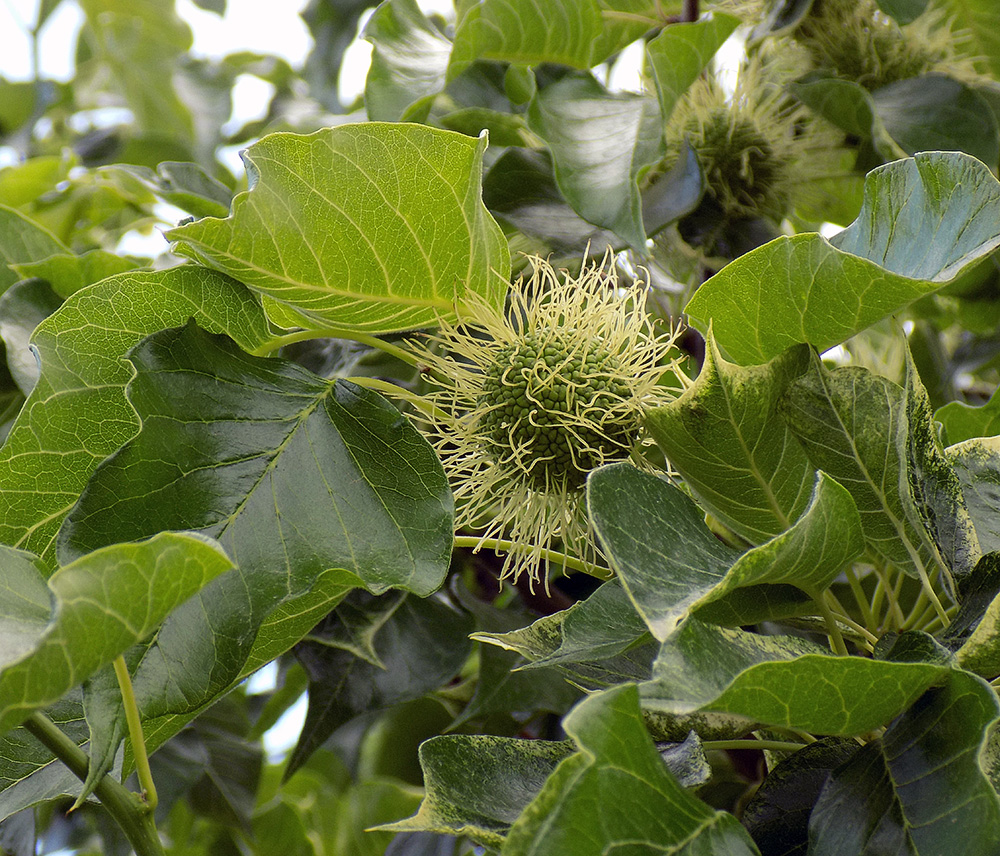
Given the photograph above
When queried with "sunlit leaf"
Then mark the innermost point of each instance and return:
(375, 227)
(924, 221)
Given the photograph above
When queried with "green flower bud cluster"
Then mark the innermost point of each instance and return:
(557, 409)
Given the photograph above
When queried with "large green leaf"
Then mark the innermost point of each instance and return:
(68, 273)
(919, 789)
(102, 604)
(724, 435)
(77, 413)
(375, 227)
(874, 438)
(295, 475)
(573, 816)
(22, 240)
(672, 564)
(600, 143)
(409, 61)
(578, 33)
(782, 681)
(924, 221)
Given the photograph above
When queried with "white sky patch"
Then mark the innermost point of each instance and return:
(354, 68)
(250, 25)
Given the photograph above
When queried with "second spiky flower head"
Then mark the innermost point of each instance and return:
(531, 400)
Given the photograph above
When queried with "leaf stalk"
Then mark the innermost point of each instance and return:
(134, 816)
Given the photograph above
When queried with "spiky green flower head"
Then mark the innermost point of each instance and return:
(856, 40)
(757, 147)
(531, 400)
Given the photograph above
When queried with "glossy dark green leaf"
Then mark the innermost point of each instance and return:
(409, 62)
(377, 227)
(578, 33)
(936, 113)
(781, 15)
(674, 194)
(782, 681)
(191, 189)
(918, 789)
(862, 430)
(22, 240)
(600, 142)
(573, 816)
(777, 816)
(238, 447)
(77, 413)
(23, 307)
(478, 785)
(725, 436)
(916, 232)
(419, 644)
(102, 604)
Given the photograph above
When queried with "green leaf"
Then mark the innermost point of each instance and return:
(962, 422)
(23, 307)
(68, 273)
(904, 11)
(295, 475)
(375, 227)
(22, 240)
(600, 143)
(777, 815)
(601, 626)
(574, 816)
(725, 436)
(673, 564)
(936, 113)
(409, 62)
(924, 221)
(29, 773)
(657, 542)
(420, 646)
(919, 789)
(478, 785)
(77, 413)
(520, 189)
(578, 33)
(849, 106)
(681, 52)
(781, 681)
(191, 189)
(103, 604)
(865, 431)
(977, 464)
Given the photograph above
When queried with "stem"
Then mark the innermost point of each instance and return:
(337, 333)
(568, 562)
(837, 644)
(133, 815)
(135, 733)
(776, 745)
(859, 598)
(690, 12)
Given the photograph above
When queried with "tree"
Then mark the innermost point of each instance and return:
(531, 426)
